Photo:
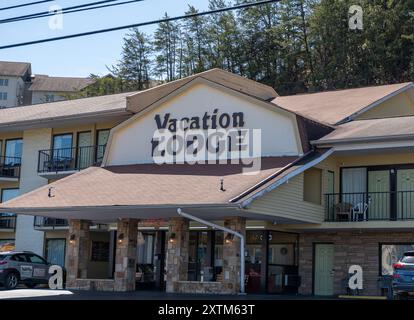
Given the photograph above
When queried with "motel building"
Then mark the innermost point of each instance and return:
(213, 184)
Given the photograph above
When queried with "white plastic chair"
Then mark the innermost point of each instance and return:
(361, 209)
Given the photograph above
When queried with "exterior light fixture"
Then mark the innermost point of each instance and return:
(229, 238)
(121, 238)
(72, 239)
(172, 238)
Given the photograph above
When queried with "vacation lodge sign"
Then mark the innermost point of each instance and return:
(198, 139)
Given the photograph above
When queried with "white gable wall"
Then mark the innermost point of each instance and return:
(130, 142)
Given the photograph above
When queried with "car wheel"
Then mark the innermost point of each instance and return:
(31, 285)
(12, 280)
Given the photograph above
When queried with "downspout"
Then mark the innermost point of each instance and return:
(216, 226)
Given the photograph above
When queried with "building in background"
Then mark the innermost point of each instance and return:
(50, 89)
(15, 78)
(18, 87)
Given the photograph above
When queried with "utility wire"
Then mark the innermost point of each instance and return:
(89, 4)
(83, 34)
(49, 14)
(25, 5)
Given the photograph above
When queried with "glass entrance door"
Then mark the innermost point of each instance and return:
(85, 152)
(379, 187)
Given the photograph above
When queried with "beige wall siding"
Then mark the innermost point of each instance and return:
(33, 140)
(400, 105)
(287, 201)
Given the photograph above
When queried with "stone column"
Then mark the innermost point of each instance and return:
(231, 255)
(177, 253)
(77, 253)
(126, 255)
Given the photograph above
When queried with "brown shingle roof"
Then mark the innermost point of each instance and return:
(145, 98)
(15, 69)
(149, 185)
(63, 109)
(333, 107)
(59, 84)
(388, 128)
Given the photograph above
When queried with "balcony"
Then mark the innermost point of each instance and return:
(50, 223)
(10, 168)
(7, 221)
(369, 206)
(58, 163)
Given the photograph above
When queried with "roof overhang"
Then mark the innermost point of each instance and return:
(376, 103)
(111, 214)
(55, 122)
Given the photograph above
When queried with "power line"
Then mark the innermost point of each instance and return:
(25, 5)
(39, 14)
(17, 19)
(142, 24)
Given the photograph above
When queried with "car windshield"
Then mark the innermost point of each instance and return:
(408, 259)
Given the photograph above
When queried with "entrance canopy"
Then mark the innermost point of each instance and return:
(149, 191)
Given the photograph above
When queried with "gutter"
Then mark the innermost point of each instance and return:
(363, 139)
(286, 178)
(224, 229)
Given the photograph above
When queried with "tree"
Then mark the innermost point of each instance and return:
(166, 42)
(135, 66)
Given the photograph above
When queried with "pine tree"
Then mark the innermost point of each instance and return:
(135, 65)
(166, 44)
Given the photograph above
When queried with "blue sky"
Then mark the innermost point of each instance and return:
(79, 56)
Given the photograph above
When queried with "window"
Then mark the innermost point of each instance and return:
(49, 98)
(3, 95)
(55, 251)
(14, 149)
(35, 259)
(392, 253)
(4, 82)
(100, 251)
(409, 259)
(101, 141)
(8, 194)
(62, 147)
(19, 257)
(312, 186)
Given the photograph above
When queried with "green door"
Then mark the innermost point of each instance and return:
(379, 188)
(405, 194)
(324, 272)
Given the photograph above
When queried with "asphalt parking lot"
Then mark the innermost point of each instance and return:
(47, 294)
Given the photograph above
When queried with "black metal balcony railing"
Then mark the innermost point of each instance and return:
(44, 222)
(10, 167)
(369, 206)
(70, 159)
(7, 221)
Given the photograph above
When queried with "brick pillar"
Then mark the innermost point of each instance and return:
(231, 255)
(177, 253)
(77, 253)
(126, 255)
